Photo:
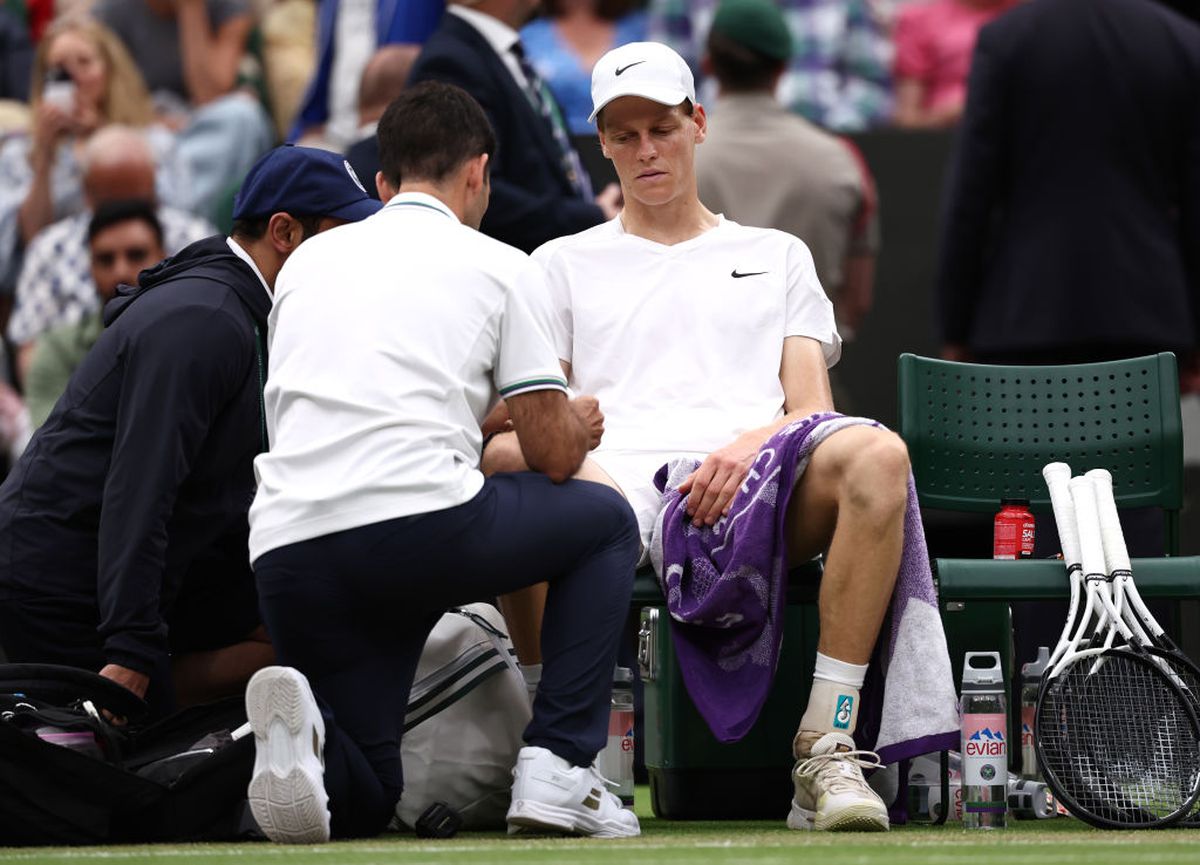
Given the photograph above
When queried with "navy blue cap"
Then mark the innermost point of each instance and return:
(303, 181)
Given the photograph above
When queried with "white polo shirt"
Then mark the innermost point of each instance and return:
(390, 339)
(681, 344)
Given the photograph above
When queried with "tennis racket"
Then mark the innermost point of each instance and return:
(1145, 628)
(1118, 740)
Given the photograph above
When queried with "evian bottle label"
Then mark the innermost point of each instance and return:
(985, 749)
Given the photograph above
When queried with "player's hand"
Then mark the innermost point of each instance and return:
(609, 200)
(588, 410)
(711, 488)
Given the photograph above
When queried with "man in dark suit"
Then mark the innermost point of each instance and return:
(540, 190)
(1072, 224)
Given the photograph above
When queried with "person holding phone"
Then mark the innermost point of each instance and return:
(83, 78)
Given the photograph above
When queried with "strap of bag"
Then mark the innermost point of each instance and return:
(453, 682)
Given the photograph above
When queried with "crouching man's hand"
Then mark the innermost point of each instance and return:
(130, 679)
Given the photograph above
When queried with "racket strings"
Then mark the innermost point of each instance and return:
(1119, 740)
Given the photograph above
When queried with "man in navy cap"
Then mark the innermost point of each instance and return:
(123, 530)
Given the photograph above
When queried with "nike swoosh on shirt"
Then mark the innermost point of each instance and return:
(737, 275)
(621, 69)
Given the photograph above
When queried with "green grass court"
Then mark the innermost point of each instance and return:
(690, 843)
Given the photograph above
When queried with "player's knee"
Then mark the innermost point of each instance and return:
(876, 478)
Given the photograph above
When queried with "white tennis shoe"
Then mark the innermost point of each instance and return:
(831, 793)
(287, 790)
(551, 795)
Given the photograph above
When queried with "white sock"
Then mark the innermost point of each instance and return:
(833, 670)
(533, 676)
(833, 701)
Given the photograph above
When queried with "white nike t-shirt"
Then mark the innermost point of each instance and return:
(681, 344)
(390, 339)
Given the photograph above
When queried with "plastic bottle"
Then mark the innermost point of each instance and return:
(1013, 530)
(1031, 678)
(1030, 800)
(984, 742)
(615, 762)
(1027, 800)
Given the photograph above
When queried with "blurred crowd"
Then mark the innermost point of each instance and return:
(171, 101)
(167, 103)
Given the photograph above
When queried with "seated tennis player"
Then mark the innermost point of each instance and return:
(703, 338)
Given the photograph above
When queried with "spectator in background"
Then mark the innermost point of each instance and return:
(55, 285)
(348, 32)
(934, 41)
(123, 238)
(189, 52)
(40, 172)
(289, 48)
(765, 167)
(382, 81)
(41, 12)
(839, 75)
(1071, 228)
(564, 45)
(539, 187)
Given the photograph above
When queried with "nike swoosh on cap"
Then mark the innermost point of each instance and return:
(627, 66)
(737, 275)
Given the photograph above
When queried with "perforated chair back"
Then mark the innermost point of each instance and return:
(977, 433)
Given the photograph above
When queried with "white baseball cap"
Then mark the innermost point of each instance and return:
(647, 69)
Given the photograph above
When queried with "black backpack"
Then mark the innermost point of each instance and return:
(68, 776)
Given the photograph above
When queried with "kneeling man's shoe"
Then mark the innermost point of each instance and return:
(831, 792)
(551, 795)
(287, 790)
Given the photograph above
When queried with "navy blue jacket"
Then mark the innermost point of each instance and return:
(142, 476)
(1073, 205)
(532, 198)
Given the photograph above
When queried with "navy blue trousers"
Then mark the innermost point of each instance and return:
(351, 611)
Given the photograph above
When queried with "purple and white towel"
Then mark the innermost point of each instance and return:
(726, 585)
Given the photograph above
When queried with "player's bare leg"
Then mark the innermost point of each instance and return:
(850, 503)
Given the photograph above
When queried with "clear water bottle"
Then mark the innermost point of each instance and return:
(615, 762)
(984, 742)
(1031, 678)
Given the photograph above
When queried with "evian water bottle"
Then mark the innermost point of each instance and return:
(984, 742)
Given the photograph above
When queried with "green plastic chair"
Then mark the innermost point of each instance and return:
(977, 433)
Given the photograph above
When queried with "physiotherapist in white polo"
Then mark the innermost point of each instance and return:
(389, 342)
